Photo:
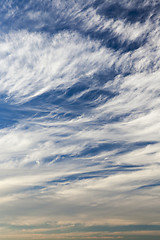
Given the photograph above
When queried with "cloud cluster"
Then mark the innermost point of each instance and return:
(35, 63)
(85, 144)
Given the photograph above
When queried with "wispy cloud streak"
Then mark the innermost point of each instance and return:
(83, 87)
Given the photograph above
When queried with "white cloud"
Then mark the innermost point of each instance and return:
(35, 63)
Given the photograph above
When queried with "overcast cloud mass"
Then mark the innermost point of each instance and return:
(79, 119)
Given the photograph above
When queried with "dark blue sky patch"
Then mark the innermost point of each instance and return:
(88, 101)
(115, 10)
(95, 174)
(134, 45)
(99, 148)
(114, 42)
(131, 15)
(7, 116)
(107, 38)
(121, 147)
(144, 143)
(11, 114)
(98, 3)
(95, 94)
(101, 78)
(68, 102)
(152, 185)
(76, 89)
(138, 14)
(47, 98)
(129, 167)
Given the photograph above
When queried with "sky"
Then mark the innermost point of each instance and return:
(79, 119)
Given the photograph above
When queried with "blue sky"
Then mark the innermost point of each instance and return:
(79, 119)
